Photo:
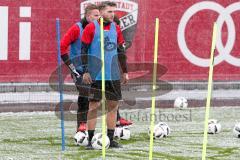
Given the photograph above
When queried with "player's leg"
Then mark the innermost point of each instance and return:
(111, 122)
(94, 103)
(82, 113)
(111, 115)
(113, 95)
(92, 118)
(118, 115)
(82, 105)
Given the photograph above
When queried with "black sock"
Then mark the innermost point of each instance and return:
(90, 135)
(110, 134)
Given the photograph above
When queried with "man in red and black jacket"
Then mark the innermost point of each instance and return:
(114, 53)
(73, 39)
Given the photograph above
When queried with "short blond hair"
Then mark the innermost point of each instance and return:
(89, 8)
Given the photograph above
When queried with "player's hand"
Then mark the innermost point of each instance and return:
(87, 78)
(125, 78)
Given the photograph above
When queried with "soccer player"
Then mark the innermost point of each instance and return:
(91, 49)
(73, 38)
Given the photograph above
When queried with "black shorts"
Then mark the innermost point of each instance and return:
(112, 90)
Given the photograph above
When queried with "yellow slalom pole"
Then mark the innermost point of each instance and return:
(153, 89)
(103, 92)
(210, 79)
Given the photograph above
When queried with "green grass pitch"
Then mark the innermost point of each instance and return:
(37, 135)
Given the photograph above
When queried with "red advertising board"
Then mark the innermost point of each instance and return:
(28, 50)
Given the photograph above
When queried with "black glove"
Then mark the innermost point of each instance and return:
(75, 74)
(123, 47)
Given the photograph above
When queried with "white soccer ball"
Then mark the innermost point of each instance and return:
(214, 126)
(81, 138)
(122, 133)
(236, 130)
(158, 132)
(181, 103)
(97, 141)
(165, 127)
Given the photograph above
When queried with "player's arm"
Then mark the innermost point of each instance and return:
(87, 38)
(122, 58)
(71, 36)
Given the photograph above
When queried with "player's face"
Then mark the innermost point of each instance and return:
(108, 13)
(93, 15)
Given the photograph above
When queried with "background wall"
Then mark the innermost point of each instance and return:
(42, 58)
